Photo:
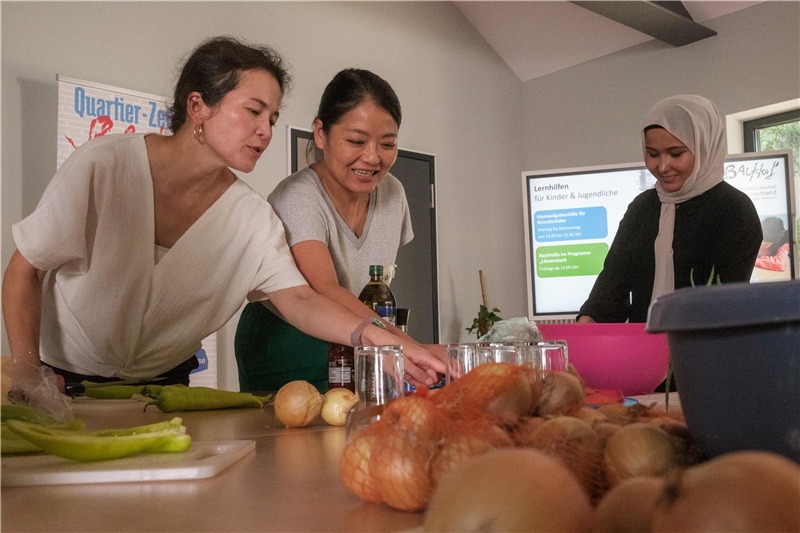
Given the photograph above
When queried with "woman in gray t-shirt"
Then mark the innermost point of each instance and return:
(342, 214)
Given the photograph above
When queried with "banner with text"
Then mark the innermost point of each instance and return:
(87, 110)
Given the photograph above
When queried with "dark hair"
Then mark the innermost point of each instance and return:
(213, 70)
(347, 90)
(653, 127)
(774, 233)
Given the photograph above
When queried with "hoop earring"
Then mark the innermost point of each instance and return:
(198, 133)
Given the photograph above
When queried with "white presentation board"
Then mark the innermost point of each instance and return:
(572, 215)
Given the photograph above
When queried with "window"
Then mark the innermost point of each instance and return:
(775, 132)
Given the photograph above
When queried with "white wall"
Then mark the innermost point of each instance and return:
(460, 102)
(591, 114)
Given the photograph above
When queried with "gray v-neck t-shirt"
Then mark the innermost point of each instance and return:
(307, 212)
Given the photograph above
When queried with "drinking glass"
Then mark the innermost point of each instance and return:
(379, 380)
(460, 360)
(541, 355)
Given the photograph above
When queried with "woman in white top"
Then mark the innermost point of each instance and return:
(152, 242)
(341, 215)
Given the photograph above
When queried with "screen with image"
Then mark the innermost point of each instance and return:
(572, 215)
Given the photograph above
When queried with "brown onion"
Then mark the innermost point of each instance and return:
(688, 450)
(562, 394)
(576, 444)
(590, 415)
(629, 507)
(298, 403)
(638, 450)
(354, 467)
(516, 399)
(605, 429)
(399, 468)
(523, 431)
(500, 389)
(414, 414)
(735, 492)
(455, 450)
(511, 489)
(622, 414)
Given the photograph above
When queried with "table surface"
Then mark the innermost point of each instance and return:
(290, 483)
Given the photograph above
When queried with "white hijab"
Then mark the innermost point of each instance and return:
(695, 122)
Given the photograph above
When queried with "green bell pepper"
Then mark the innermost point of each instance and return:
(171, 398)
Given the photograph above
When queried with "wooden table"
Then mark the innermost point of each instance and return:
(290, 483)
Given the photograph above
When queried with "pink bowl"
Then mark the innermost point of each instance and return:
(614, 356)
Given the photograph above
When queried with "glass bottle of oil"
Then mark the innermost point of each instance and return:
(377, 296)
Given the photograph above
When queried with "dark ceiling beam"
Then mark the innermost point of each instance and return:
(667, 21)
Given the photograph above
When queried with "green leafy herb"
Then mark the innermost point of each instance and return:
(484, 321)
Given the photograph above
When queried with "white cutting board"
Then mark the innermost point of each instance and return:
(202, 460)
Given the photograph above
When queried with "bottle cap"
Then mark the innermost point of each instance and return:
(376, 270)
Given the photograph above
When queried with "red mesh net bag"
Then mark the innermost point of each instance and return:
(400, 459)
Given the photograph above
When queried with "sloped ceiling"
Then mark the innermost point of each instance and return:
(536, 38)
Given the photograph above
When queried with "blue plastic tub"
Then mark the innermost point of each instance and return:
(735, 351)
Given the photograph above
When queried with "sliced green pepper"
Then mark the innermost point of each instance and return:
(89, 447)
(13, 444)
(24, 413)
(173, 398)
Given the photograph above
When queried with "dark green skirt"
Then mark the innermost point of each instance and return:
(271, 352)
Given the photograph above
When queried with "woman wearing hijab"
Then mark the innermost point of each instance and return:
(691, 228)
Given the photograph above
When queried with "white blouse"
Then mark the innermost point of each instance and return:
(108, 309)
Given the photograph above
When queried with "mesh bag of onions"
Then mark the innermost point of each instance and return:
(401, 459)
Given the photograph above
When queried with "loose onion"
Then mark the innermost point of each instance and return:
(562, 394)
(298, 403)
(629, 507)
(618, 413)
(511, 489)
(338, 402)
(688, 450)
(638, 450)
(590, 415)
(605, 429)
(735, 492)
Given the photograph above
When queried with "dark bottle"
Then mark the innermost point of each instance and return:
(341, 367)
(377, 296)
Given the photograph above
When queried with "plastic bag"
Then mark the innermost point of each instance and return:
(36, 387)
(518, 329)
